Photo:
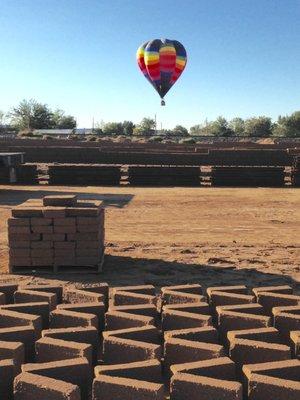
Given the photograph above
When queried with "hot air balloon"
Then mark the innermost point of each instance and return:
(162, 62)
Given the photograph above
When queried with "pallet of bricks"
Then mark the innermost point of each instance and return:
(25, 174)
(164, 176)
(248, 176)
(182, 342)
(295, 176)
(56, 234)
(86, 175)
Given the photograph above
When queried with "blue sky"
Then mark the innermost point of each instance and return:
(79, 55)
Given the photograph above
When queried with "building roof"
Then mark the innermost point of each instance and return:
(53, 131)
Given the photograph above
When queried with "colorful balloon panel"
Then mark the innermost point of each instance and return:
(162, 62)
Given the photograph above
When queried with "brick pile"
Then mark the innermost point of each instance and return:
(25, 174)
(87, 175)
(248, 176)
(295, 173)
(56, 234)
(137, 342)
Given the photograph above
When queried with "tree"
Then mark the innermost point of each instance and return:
(258, 126)
(288, 125)
(128, 127)
(146, 127)
(30, 114)
(196, 130)
(237, 125)
(180, 130)
(62, 121)
(219, 127)
(113, 128)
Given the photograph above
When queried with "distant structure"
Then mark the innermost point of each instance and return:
(54, 132)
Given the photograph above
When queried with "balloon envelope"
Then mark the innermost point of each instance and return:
(162, 62)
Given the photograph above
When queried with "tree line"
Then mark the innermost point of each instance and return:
(30, 115)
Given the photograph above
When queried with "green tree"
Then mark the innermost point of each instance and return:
(196, 130)
(219, 127)
(237, 125)
(288, 126)
(258, 127)
(146, 127)
(128, 127)
(30, 114)
(180, 130)
(113, 128)
(61, 121)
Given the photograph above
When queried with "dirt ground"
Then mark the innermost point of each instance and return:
(180, 235)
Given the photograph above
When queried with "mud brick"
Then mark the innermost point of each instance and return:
(115, 320)
(131, 298)
(76, 371)
(131, 345)
(2, 298)
(87, 244)
(84, 295)
(8, 290)
(149, 370)
(187, 386)
(256, 346)
(191, 288)
(188, 345)
(67, 200)
(269, 300)
(182, 294)
(64, 245)
(20, 261)
(238, 289)
(19, 229)
(23, 334)
(286, 319)
(42, 229)
(284, 289)
(111, 388)
(56, 289)
(54, 212)
(295, 343)
(10, 319)
(42, 253)
(141, 289)
(82, 212)
(69, 253)
(88, 334)
(218, 298)
(18, 222)
(38, 308)
(19, 252)
(41, 261)
(26, 212)
(92, 228)
(55, 237)
(95, 308)
(273, 380)
(68, 319)
(241, 316)
(24, 244)
(89, 252)
(64, 229)
(26, 296)
(83, 236)
(64, 221)
(23, 237)
(188, 315)
(99, 292)
(40, 221)
(8, 371)
(41, 245)
(82, 261)
(12, 350)
(31, 386)
(49, 349)
(87, 221)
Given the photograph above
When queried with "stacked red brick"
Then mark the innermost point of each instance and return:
(56, 232)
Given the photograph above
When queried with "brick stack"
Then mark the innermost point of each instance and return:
(295, 175)
(25, 174)
(56, 233)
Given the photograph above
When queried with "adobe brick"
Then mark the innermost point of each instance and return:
(41, 221)
(20, 261)
(67, 229)
(27, 296)
(42, 229)
(95, 308)
(67, 319)
(67, 200)
(148, 310)
(69, 221)
(55, 237)
(122, 320)
(48, 349)
(31, 386)
(286, 319)
(26, 212)
(23, 334)
(12, 350)
(41, 309)
(20, 244)
(8, 290)
(8, 371)
(56, 289)
(21, 237)
(18, 222)
(269, 300)
(18, 229)
(41, 245)
(10, 319)
(54, 212)
(83, 296)
(42, 261)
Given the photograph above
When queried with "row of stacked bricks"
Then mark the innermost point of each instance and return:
(180, 342)
(295, 174)
(56, 232)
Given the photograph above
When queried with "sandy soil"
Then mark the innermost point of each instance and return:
(175, 235)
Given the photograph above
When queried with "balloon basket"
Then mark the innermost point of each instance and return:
(163, 102)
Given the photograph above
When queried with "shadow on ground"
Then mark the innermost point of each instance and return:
(122, 271)
(13, 197)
